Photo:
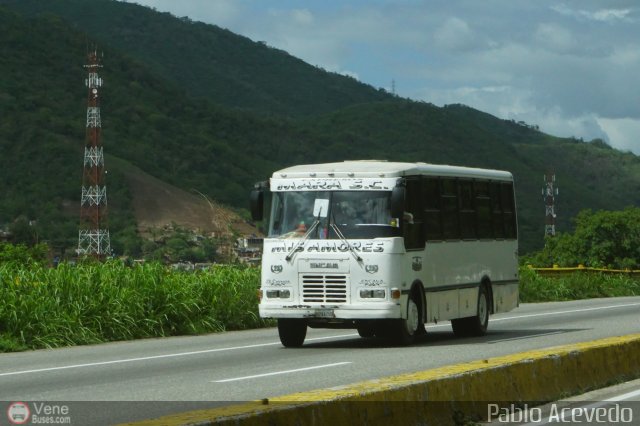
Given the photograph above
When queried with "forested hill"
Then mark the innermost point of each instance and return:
(206, 60)
(220, 143)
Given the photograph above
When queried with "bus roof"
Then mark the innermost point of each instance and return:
(376, 168)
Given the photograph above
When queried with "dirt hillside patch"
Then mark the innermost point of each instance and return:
(157, 204)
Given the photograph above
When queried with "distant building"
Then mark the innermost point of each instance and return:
(249, 249)
(5, 235)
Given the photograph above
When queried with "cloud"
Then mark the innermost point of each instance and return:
(348, 73)
(608, 15)
(218, 12)
(456, 35)
(624, 133)
(570, 68)
(292, 17)
(600, 15)
(555, 38)
(302, 16)
(558, 123)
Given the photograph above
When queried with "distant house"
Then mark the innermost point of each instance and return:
(5, 235)
(249, 249)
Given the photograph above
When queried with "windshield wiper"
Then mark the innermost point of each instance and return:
(343, 239)
(304, 238)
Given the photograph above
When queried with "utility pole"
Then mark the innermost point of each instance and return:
(549, 193)
(93, 235)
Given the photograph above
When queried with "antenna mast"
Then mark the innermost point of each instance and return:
(549, 193)
(93, 235)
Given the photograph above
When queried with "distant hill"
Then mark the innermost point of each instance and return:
(207, 61)
(219, 141)
(589, 175)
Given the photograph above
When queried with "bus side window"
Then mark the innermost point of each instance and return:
(413, 231)
(508, 210)
(467, 210)
(496, 211)
(432, 215)
(483, 210)
(450, 214)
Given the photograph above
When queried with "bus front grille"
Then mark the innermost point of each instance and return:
(324, 288)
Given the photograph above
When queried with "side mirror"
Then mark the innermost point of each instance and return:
(397, 201)
(256, 202)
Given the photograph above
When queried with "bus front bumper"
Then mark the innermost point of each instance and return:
(332, 312)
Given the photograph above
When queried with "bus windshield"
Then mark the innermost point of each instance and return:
(357, 214)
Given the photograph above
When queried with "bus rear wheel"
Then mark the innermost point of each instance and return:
(292, 332)
(476, 325)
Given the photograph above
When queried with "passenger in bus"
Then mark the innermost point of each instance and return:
(407, 217)
(301, 229)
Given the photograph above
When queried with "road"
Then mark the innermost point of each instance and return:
(618, 404)
(252, 364)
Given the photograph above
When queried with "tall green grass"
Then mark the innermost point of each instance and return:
(43, 307)
(578, 285)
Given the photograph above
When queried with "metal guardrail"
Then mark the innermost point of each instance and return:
(558, 271)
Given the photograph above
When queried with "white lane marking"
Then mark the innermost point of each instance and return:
(542, 314)
(525, 337)
(624, 396)
(147, 358)
(179, 354)
(315, 367)
(122, 361)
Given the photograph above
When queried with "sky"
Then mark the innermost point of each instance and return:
(570, 67)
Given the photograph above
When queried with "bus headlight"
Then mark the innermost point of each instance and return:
(278, 294)
(372, 294)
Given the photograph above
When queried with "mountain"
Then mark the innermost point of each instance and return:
(589, 175)
(217, 141)
(207, 61)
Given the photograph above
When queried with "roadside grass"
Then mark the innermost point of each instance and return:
(574, 286)
(44, 307)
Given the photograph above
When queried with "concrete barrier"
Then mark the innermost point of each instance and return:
(446, 395)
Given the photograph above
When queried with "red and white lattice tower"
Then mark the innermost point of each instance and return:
(549, 193)
(93, 236)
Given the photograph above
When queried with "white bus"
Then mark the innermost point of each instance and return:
(385, 247)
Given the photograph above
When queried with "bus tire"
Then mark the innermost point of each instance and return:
(404, 331)
(476, 325)
(366, 331)
(292, 332)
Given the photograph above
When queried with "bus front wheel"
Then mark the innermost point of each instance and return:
(476, 325)
(404, 331)
(292, 332)
(366, 331)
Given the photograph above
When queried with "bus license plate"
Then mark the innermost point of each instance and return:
(324, 313)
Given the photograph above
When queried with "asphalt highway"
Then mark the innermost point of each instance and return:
(181, 373)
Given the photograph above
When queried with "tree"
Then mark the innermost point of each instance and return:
(608, 239)
(24, 231)
(22, 254)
